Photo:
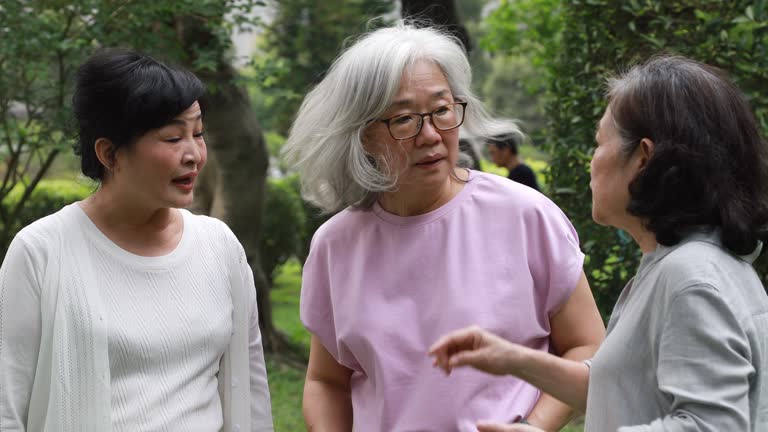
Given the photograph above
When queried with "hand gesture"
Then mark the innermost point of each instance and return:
(475, 347)
(516, 427)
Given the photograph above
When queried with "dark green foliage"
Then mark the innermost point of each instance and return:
(715, 32)
(283, 225)
(288, 225)
(48, 197)
(43, 43)
(598, 38)
(314, 217)
(300, 44)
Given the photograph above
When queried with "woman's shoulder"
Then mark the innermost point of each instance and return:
(51, 227)
(43, 238)
(343, 225)
(499, 194)
(699, 259)
(703, 263)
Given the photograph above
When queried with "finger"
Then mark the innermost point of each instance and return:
(497, 427)
(465, 358)
(441, 364)
(440, 359)
(455, 340)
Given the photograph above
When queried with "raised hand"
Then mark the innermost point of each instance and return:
(475, 347)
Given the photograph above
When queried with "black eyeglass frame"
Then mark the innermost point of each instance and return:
(421, 119)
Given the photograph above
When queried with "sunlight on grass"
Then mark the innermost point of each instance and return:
(286, 382)
(285, 303)
(286, 385)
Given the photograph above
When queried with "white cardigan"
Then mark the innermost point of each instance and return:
(69, 374)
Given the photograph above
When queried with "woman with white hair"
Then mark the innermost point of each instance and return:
(422, 246)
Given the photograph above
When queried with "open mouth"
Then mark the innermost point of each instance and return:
(430, 162)
(183, 181)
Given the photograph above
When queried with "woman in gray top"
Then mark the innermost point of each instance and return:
(680, 165)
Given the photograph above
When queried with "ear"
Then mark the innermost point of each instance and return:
(645, 152)
(105, 153)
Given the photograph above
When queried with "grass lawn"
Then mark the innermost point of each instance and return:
(286, 378)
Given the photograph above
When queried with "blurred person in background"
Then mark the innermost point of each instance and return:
(503, 150)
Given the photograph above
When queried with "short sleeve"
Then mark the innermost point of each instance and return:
(554, 257)
(704, 366)
(316, 307)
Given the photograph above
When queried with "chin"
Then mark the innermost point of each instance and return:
(181, 203)
(596, 217)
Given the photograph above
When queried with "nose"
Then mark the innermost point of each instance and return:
(428, 135)
(193, 152)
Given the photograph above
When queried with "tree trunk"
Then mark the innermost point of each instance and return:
(445, 14)
(441, 13)
(232, 185)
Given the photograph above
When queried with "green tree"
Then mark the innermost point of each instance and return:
(299, 45)
(43, 44)
(523, 36)
(506, 90)
(442, 13)
(284, 225)
(587, 40)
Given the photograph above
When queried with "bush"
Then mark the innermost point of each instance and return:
(591, 39)
(314, 217)
(731, 35)
(283, 227)
(48, 197)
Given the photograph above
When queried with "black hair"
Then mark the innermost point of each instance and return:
(510, 142)
(120, 95)
(709, 165)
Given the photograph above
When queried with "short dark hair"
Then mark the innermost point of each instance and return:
(709, 165)
(511, 142)
(120, 95)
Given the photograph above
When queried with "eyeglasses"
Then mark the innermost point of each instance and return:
(446, 117)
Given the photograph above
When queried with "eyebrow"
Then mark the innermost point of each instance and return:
(184, 122)
(404, 102)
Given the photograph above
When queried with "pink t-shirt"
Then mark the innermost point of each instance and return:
(379, 289)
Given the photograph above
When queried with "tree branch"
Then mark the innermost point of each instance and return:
(32, 185)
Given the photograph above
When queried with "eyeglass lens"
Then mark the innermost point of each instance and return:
(444, 118)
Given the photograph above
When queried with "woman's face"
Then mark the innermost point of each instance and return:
(160, 168)
(611, 173)
(427, 159)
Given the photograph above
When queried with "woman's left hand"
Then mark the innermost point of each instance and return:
(515, 427)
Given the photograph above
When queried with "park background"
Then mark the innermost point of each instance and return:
(543, 62)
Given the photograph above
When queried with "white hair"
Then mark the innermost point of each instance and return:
(325, 144)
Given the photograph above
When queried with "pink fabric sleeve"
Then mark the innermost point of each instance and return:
(555, 259)
(316, 306)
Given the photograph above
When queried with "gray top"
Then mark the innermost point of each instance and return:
(687, 346)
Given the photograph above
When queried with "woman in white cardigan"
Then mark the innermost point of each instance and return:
(124, 312)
